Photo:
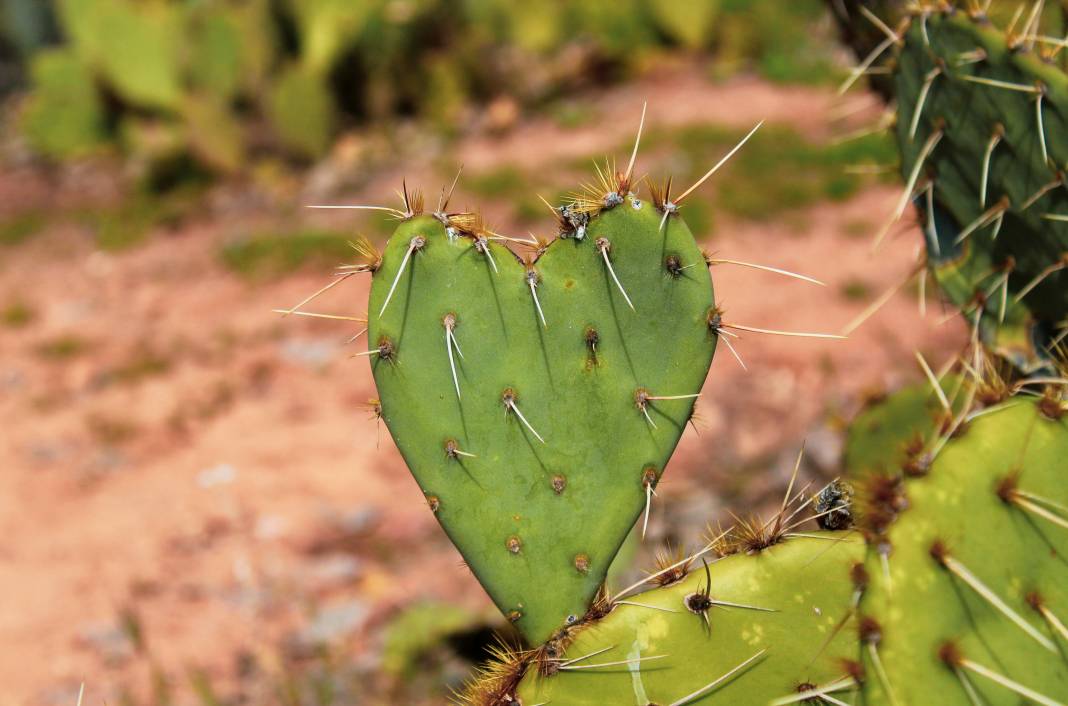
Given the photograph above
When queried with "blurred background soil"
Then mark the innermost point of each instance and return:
(197, 504)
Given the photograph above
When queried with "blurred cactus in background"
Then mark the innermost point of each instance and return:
(26, 26)
(65, 115)
(863, 36)
(209, 81)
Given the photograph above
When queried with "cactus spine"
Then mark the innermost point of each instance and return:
(983, 142)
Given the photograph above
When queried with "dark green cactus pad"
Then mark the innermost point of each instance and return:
(984, 119)
(960, 273)
(968, 589)
(741, 655)
(541, 506)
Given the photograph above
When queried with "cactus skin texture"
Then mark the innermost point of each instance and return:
(940, 541)
(951, 589)
(539, 522)
(895, 430)
(1006, 266)
(963, 275)
(804, 648)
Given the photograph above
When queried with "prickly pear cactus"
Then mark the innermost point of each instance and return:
(327, 28)
(982, 130)
(952, 589)
(537, 403)
(749, 629)
(133, 46)
(893, 431)
(64, 117)
(691, 23)
(302, 111)
(968, 586)
(231, 48)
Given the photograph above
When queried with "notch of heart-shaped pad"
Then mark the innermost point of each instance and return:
(530, 400)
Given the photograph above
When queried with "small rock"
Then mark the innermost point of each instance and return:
(270, 527)
(333, 622)
(105, 460)
(823, 449)
(12, 380)
(501, 114)
(62, 695)
(358, 520)
(331, 571)
(222, 474)
(108, 640)
(309, 352)
(47, 453)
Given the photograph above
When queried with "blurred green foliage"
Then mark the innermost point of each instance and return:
(65, 114)
(506, 181)
(270, 254)
(16, 315)
(134, 218)
(855, 290)
(143, 363)
(62, 348)
(778, 171)
(225, 80)
(785, 40)
(784, 171)
(302, 110)
(133, 47)
(17, 228)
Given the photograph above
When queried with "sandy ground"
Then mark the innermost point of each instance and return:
(234, 499)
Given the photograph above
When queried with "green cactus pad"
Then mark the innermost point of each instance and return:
(985, 120)
(965, 572)
(692, 24)
(213, 133)
(232, 48)
(804, 640)
(889, 433)
(215, 63)
(64, 116)
(302, 111)
(541, 507)
(134, 46)
(327, 28)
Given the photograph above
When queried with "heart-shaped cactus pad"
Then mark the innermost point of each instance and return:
(537, 402)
